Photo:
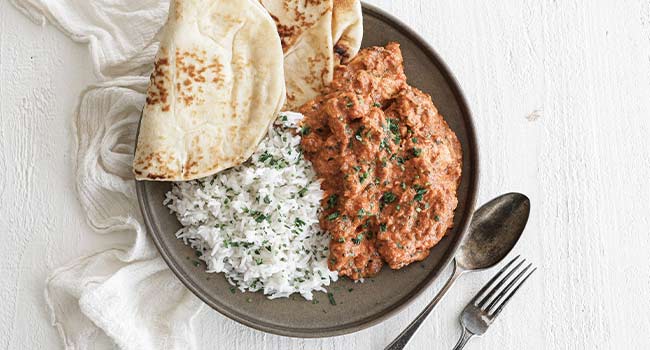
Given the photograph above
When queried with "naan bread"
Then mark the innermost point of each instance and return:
(316, 36)
(218, 83)
(347, 29)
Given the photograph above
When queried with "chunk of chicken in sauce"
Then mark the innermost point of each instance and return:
(389, 163)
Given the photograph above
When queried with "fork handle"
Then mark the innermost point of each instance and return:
(404, 337)
(464, 338)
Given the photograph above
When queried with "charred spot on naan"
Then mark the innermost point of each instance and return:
(287, 33)
(155, 166)
(194, 68)
(342, 51)
(178, 12)
(318, 71)
(292, 18)
(157, 94)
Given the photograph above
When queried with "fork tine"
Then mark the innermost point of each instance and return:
(503, 280)
(487, 285)
(507, 288)
(507, 299)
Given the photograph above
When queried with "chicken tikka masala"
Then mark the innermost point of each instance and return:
(389, 163)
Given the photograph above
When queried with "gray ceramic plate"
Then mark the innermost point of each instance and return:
(376, 299)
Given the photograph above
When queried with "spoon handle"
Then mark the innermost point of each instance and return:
(404, 337)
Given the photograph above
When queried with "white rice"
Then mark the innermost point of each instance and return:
(258, 222)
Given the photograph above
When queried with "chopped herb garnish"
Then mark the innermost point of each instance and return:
(265, 156)
(403, 185)
(305, 130)
(349, 104)
(259, 217)
(399, 245)
(377, 104)
(332, 201)
(419, 193)
(357, 135)
(392, 125)
(299, 222)
(363, 177)
(330, 296)
(383, 227)
(341, 240)
(356, 168)
(383, 144)
(388, 197)
(414, 140)
(333, 216)
(357, 240)
(436, 218)
(302, 192)
(416, 152)
(267, 200)
(233, 289)
(283, 118)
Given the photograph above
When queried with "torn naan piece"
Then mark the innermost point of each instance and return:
(217, 84)
(316, 36)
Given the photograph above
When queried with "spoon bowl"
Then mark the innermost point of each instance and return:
(494, 231)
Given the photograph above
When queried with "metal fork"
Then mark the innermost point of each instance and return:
(481, 311)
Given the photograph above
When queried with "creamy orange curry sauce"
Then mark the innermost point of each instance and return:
(389, 163)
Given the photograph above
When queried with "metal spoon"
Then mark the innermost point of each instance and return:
(493, 232)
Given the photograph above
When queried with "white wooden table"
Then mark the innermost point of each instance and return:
(561, 95)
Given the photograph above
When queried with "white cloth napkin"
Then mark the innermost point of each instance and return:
(125, 295)
(119, 33)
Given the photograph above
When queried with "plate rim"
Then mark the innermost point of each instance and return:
(401, 304)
